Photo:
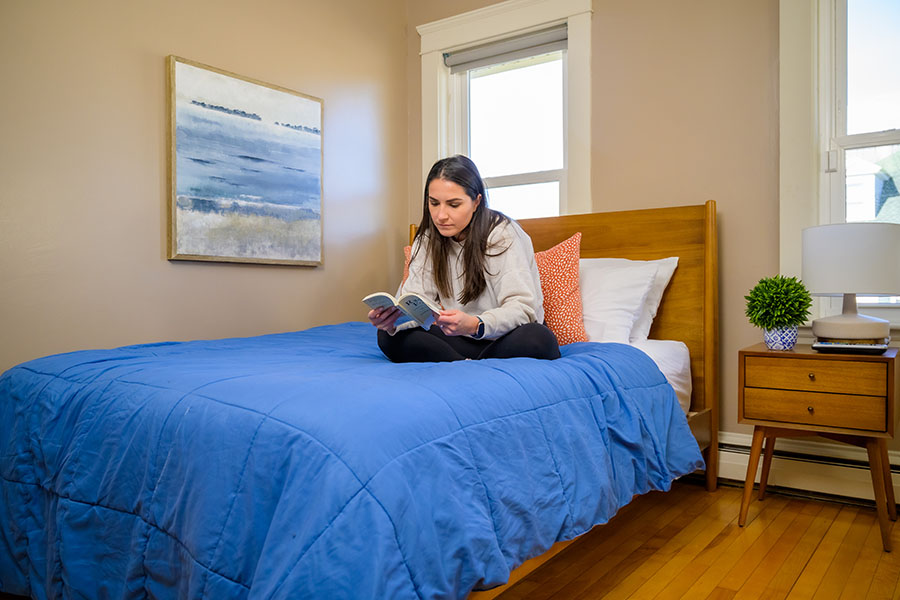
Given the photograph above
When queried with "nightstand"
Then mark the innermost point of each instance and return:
(844, 397)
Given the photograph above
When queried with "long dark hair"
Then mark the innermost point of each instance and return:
(462, 171)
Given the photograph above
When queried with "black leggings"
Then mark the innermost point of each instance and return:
(531, 340)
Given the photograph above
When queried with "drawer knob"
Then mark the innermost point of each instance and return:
(810, 409)
(812, 376)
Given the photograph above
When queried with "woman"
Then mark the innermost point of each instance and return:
(479, 265)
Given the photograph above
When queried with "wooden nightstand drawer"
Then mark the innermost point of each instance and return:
(868, 413)
(816, 375)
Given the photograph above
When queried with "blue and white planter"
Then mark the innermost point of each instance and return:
(781, 338)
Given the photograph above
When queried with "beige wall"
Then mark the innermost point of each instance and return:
(685, 109)
(83, 155)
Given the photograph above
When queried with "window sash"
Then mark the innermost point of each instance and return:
(463, 131)
(462, 136)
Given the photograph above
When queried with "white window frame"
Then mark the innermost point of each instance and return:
(812, 84)
(443, 94)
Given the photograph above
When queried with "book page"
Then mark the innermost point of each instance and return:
(379, 300)
(385, 300)
(418, 308)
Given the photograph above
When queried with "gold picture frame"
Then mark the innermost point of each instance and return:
(245, 169)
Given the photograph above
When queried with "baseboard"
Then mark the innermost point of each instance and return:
(813, 466)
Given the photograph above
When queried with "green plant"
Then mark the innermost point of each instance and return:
(778, 301)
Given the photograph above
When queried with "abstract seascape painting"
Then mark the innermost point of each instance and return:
(245, 169)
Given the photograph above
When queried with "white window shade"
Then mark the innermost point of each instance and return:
(531, 44)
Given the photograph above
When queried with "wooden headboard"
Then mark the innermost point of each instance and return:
(688, 311)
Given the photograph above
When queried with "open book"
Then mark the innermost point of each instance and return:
(413, 306)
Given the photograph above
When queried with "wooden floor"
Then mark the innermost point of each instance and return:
(687, 544)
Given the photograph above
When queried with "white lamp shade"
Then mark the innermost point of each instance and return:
(852, 258)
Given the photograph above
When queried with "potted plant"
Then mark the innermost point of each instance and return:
(778, 305)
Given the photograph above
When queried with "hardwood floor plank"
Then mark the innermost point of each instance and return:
(720, 594)
(776, 555)
(655, 574)
(809, 580)
(835, 578)
(780, 585)
(887, 573)
(747, 536)
(863, 572)
(677, 588)
(747, 562)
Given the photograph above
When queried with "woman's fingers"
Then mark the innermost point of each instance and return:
(384, 318)
(452, 322)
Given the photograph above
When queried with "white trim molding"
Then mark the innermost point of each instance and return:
(440, 135)
(814, 466)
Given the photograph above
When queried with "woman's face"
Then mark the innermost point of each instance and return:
(450, 207)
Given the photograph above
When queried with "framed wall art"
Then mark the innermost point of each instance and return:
(245, 169)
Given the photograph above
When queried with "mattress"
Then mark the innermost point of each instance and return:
(674, 361)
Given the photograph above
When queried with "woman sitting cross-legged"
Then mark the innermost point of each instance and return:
(479, 265)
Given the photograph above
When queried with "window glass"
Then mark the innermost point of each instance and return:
(516, 116)
(872, 179)
(526, 201)
(872, 174)
(873, 76)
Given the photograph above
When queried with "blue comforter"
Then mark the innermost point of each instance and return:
(305, 465)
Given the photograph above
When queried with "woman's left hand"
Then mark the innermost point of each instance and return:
(456, 322)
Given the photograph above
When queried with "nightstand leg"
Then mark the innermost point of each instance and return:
(752, 464)
(888, 480)
(767, 463)
(878, 485)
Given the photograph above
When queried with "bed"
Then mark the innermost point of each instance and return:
(304, 464)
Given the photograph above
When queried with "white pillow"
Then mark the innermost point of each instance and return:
(612, 296)
(665, 269)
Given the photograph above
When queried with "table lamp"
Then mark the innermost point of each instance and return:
(846, 259)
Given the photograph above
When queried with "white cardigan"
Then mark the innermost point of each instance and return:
(512, 294)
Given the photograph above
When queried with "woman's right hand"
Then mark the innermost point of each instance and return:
(385, 318)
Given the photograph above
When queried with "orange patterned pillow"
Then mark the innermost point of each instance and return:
(558, 268)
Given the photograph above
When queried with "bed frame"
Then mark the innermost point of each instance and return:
(689, 310)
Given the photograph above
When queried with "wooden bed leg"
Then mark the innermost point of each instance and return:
(712, 466)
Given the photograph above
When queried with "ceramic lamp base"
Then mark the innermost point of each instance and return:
(850, 325)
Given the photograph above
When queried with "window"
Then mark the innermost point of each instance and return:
(864, 152)
(866, 113)
(840, 121)
(501, 85)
